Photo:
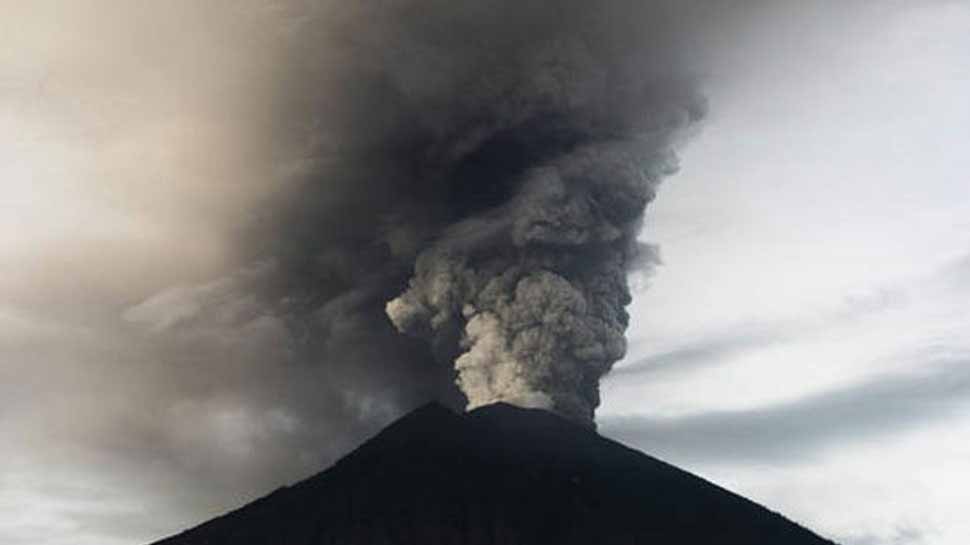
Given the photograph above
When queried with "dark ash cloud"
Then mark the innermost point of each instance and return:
(481, 172)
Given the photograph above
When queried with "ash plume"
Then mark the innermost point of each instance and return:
(470, 174)
(541, 168)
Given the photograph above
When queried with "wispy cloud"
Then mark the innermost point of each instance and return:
(790, 432)
(720, 346)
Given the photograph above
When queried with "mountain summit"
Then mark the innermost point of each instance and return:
(499, 475)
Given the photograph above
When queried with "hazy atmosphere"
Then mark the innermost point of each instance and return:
(217, 219)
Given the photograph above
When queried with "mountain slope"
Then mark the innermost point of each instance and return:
(499, 475)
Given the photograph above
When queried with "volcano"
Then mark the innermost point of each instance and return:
(499, 475)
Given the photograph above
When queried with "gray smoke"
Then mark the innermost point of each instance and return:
(477, 173)
(502, 156)
(532, 292)
(544, 164)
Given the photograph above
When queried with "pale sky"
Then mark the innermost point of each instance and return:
(804, 342)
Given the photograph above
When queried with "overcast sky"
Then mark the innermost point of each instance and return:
(804, 342)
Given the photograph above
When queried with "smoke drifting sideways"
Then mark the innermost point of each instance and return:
(472, 175)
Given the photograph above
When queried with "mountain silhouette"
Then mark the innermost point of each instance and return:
(499, 475)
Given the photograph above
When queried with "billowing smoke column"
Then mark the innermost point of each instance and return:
(532, 291)
(477, 173)
(544, 168)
